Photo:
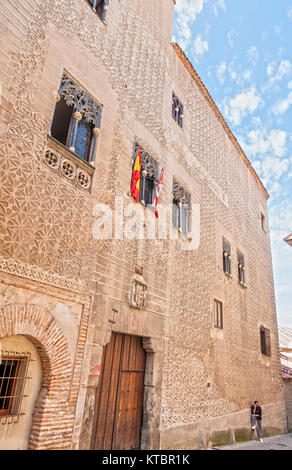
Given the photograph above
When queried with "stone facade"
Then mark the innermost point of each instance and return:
(66, 291)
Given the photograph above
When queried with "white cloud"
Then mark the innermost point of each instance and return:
(276, 73)
(231, 35)
(253, 54)
(289, 13)
(217, 5)
(200, 45)
(243, 104)
(260, 142)
(221, 72)
(187, 11)
(282, 106)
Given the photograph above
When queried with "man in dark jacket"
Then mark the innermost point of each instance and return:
(256, 417)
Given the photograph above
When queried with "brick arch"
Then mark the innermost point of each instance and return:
(53, 418)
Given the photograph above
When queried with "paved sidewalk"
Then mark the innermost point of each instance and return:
(282, 442)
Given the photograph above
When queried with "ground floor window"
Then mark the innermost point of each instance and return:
(13, 372)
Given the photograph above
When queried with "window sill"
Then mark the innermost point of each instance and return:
(67, 164)
(242, 285)
(228, 275)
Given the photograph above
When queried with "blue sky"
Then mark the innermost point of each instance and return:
(242, 51)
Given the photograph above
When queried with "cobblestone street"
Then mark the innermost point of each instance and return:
(282, 442)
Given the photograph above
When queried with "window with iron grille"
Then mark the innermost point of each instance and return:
(181, 209)
(76, 120)
(241, 268)
(177, 110)
(100, 7)
(227, 257)
(218, 314)
(265, 338)
(149, 175)
(13, 375)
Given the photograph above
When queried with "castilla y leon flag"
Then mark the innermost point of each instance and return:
(136, 177)
(157, 192)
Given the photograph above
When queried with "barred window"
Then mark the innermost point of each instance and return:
(218, 314)
(177, 110)
(265, 338)
(227, 257)
(100, 7)
(181, 209)
(76, 119)
(13, 374)
(241, 268)
(149, 175)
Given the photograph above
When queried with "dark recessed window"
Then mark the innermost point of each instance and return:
(227, 257)
(263, 222)
(149, 175)
(100, 7)
(241, 268)
(177, 110)
(76, 119)
(181, 209)
(265, 338)
(218, 314)
(13, 371)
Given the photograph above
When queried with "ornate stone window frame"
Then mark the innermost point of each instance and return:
(149, 171)
(66, 164)
(182, 200)
(241, 269)
(177, 110)
(84, 107)
(226, 246)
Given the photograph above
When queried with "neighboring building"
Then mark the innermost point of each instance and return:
(285, 339)
(287, 379)
(125, 343)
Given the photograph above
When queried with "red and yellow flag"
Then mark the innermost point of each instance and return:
(136, 177)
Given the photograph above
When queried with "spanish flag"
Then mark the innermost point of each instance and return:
(136, 177)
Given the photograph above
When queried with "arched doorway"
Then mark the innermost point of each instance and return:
(21, 376)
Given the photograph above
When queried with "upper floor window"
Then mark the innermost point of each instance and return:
(265, 337)
(263, 222)
(177, 110)
(76, 120)
(218, 314)
(227, 257)
(241, 268)
(149, 175)
(181, 209)
(100, 7)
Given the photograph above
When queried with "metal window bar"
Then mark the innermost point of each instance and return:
(13, 376)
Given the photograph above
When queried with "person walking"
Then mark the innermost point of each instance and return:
(256, 418)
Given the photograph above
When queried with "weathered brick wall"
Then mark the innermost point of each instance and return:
(46, 222)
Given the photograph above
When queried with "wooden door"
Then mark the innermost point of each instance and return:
(119, 397)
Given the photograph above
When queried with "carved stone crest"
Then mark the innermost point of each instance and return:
(138, 292)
